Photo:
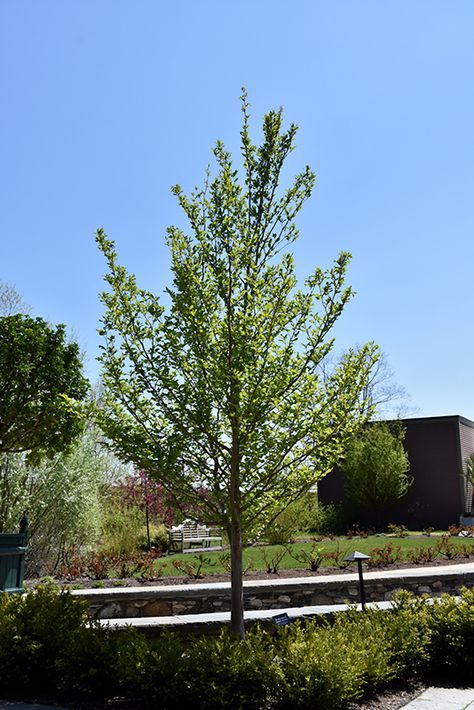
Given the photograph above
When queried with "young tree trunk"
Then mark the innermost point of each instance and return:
(236, 567)
(237, 595)
(147, 518)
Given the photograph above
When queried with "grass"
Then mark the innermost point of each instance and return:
(255, 556)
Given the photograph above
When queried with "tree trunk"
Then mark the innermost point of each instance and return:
(237, 595)
(236, 574)
(147, 519)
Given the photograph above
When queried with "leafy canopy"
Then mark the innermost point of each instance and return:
(376, 466)
(219, 395)
(41, 387)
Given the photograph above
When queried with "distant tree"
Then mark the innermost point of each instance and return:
(219, 397)
(386, 397)
(10, 301)
(41, 387)
(63, 496)
(376, 468)
(382, 395)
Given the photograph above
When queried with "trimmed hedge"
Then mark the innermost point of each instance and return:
(48, 644)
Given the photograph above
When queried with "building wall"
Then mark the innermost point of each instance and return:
(436, 446)
(466, 431)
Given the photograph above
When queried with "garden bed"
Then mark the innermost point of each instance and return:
(85, 583)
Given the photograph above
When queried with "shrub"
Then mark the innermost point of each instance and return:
(357, 531)
(337, 556)
(327, 519)
(227, 673)
(313, 557)
(397, 530)
(423, 554)
(45, 642)
(122, 529)
(194, 568)
(285, 526)
(273, 559)
(451, 645)
(446, 548)
(48, 643)
(320, 668)
(62, 496)
(386, 555)
(158, 537)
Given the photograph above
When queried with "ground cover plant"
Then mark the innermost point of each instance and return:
(48, 645)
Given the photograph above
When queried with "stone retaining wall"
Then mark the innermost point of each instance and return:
(307, 591)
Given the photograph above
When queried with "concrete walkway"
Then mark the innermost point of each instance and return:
(430, 699)
(443, 699)
(12, 705)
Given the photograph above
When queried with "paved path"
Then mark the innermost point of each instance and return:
(430, 699)
(443, 699)
(11, 705)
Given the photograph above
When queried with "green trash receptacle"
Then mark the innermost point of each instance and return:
(12, 558)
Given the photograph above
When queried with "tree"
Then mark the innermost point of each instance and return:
(63, 496)
(147, 495)
(10, 301)
(381, 394)
(218, 397)
(376, 467)
(41, 387)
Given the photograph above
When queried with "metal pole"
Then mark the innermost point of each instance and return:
(361, 585)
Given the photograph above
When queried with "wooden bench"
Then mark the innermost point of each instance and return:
(191, 537)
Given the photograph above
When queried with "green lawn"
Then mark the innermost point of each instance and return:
(216, 562)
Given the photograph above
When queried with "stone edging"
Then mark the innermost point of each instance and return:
(265, 595)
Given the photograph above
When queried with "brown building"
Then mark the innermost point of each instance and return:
(437, 449)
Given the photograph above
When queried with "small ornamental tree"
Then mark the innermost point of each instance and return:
(219, 396)
(148, 495)
(376, 468)
(41, 387)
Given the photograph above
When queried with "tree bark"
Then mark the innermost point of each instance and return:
(237, 595)
(236, 568)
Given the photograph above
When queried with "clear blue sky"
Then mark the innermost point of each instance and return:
(107, 103)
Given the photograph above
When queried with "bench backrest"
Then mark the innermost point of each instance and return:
(190, 532)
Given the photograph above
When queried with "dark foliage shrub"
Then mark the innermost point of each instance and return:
(46, 642)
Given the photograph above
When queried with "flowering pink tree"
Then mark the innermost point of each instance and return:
(140, 491)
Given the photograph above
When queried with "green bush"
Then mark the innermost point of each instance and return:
(320, 668)
(451, 647)
(326, 519)
(297, 516)
(122, 529)
(45, 643)
(158, 537)
(48, 643)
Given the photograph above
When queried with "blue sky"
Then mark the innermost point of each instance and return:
(106, 104)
